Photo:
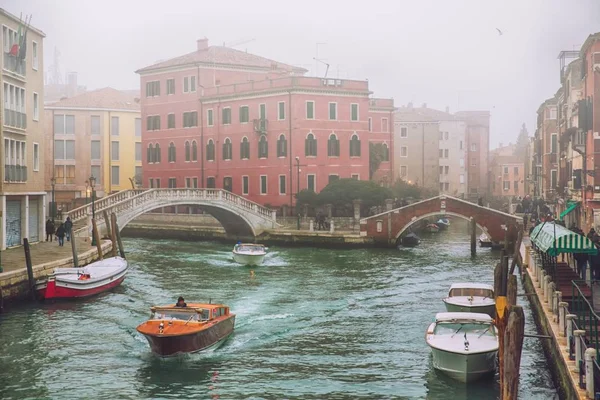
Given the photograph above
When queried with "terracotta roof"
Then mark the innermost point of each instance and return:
(220, 55)
(106, 98)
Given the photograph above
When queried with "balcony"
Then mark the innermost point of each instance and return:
(14, 65)
(15, 173)
(260, 125)
(15, 119)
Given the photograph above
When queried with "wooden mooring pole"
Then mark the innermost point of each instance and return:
(113, 235)
(517, 254)
(118, 234)
(107, 223)
(74, 249)
(473, 226)
(97, 238)
(29, 268)
(513, 346)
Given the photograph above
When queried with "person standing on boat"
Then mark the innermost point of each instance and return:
(180, 302)
(68, 228)
(49, 230)
(60, 234)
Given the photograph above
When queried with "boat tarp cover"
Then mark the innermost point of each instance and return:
(570, 207)
(554, 239)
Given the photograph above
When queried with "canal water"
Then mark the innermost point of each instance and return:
(311, 324)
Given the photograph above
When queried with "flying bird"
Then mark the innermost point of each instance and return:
(499, 31)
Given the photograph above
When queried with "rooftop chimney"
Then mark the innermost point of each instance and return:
(202, 44)
(424, 105)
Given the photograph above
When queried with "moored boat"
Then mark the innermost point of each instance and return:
(249, 253)
(97, 277)
(443, 223)
(173, 330)
(484, 240)
(471, 297)
(410, 240)
(463, 345)
(432, 228)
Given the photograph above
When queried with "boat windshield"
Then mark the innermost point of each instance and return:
(478, 292)
(449, 328)
(184, 316)
(249, 248)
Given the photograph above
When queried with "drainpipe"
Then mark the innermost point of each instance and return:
(391, 149)
(423, 155)
(290, 154)
(109, 154)
(202, 184)
(217, 144)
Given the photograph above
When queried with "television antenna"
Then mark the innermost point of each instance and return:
(323, 62)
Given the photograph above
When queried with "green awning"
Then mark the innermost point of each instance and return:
(554, 239)
(570, 207)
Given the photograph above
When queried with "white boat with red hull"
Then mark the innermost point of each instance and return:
(71, 283)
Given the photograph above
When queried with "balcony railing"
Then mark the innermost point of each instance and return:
(15, 119)
(260, 125)
(13, 64)
(15, 173)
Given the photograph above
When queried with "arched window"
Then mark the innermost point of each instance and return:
(386, 152)
(187, 151)
(263, 147)
(245, 149)
(333, 146)
(171, 152)
(281, 146)
(194, 151)
(150, 154)
(157, 153)
(310, 146)
(355, 146)
(210, 150)
(227, 149)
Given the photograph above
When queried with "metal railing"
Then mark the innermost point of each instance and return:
(14, 64)
(15, 173)
(587, 319)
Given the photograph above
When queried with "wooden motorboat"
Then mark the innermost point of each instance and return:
(471, 297)
(432, 228)
(97, 277)
(249, 253)
(485, 241)
(410, 240)
(173, 330)
(463, 345)
(443, 223)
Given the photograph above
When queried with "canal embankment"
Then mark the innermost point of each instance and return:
(550, 316)
(45, 256)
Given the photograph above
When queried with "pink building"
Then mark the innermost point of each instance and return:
(222, 118)
(507, 172)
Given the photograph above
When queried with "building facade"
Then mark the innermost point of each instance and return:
(508, 173)
(221, 118)
(99, 134)
(22, 79)
(478, 148)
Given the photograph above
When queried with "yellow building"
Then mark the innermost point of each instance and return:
(97, 134)
(22, 130)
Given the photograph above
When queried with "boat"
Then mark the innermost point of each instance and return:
(70, 283)
(173, 330)
(410, 240)
(443, 223)
(432, 228)
(484, 240)
(463, 345)
(249, 253)
(471, 297)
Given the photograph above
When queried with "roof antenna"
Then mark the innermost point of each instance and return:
(323, 62)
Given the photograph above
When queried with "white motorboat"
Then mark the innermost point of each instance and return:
(249, 253)
(485, 241)
(471, 297)
(97, 277)
(463, 345)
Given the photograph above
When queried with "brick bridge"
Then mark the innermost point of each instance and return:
(386, 228)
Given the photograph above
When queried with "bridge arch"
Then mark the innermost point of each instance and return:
(437, 214)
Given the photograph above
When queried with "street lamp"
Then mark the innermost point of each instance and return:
(298, 189)
(87, 184)
(92, 182)
(53, 211)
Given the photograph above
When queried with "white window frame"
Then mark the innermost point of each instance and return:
(504, 186)
(404, 147)
(167, 86)
(248, 180)
(357, 176)
(175, 119)
(265, 116)
(313, 108)
(555, 173)
(36, 106)
(403, 129)
(400, 171)
(34, 55)
(260, 177)
(36, 156)
(230, 116)
(279, 184)
(183, 89)
(357, 112)
(386, 125)
(208, 119)
(279, 103)
(314, 181)
(329, 111)
(248, 107)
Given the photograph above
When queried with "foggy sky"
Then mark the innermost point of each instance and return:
(443, 53)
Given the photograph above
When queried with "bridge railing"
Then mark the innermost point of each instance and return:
(82, 212)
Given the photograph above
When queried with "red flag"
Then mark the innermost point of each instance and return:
(14, 50)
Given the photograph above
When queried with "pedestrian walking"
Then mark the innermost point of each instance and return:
(60, 234)
(68, 228)
(49, 230)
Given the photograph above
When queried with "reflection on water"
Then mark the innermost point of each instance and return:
(311, 324)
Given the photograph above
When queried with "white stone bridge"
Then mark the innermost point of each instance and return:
(239, 216)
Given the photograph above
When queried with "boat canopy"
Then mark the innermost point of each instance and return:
(571, 205)
(554, 239)
(462, 316)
